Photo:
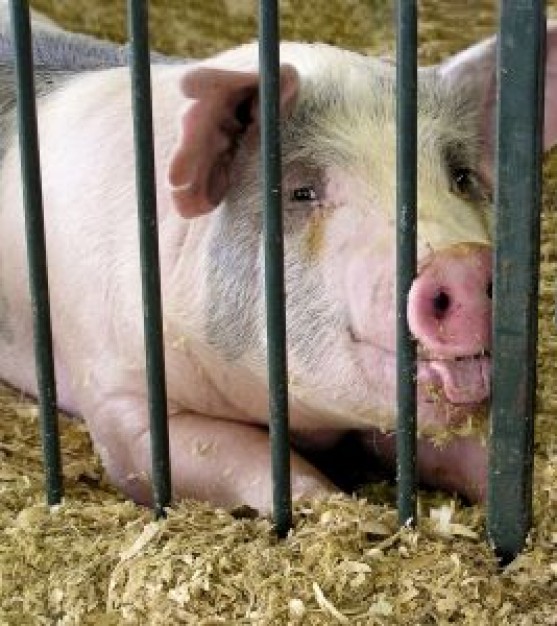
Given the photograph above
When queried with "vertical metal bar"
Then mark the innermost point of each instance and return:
(519, 132)
(406, 113)
(274, 264)
(149, 252)
(36, 248)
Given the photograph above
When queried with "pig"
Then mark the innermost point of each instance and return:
(338, 149)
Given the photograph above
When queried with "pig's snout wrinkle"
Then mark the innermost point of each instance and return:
(449, 304)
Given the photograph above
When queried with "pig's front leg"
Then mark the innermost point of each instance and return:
(458, 466)
(223, 462)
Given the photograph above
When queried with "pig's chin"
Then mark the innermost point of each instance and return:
(462, 379)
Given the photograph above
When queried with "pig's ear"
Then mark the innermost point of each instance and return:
(474, 69)
(225, 107)
(476, 66)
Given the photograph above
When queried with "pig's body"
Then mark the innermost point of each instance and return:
(338, 139)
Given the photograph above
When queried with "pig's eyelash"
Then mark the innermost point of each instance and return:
(303, 194)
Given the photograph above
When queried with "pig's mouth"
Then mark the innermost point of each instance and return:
(463, 379)
(460, 379)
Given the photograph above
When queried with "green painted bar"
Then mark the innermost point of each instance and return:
(274, 264)
(519, 122)
(406, 113)
(36, 248)
(149, 250)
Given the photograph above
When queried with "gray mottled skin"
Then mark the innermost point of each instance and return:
(72, 52)
(234, 283)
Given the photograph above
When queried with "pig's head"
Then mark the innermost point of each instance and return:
(338, 140)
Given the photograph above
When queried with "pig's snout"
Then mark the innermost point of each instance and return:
(449, 304)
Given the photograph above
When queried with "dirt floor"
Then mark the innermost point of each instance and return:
(98, 559)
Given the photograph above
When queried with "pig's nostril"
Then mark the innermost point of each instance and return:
(441, 303)
(489, 290)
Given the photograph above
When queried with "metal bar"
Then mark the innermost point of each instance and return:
(274, 264)
(519, 128)
(36, 248)
(406, 114)
(149, 251)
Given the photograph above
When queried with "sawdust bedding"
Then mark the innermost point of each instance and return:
(98, 559)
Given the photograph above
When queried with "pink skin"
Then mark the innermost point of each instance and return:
(218, 401)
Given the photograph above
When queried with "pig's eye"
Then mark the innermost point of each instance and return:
(467, 184)
(303, 194)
